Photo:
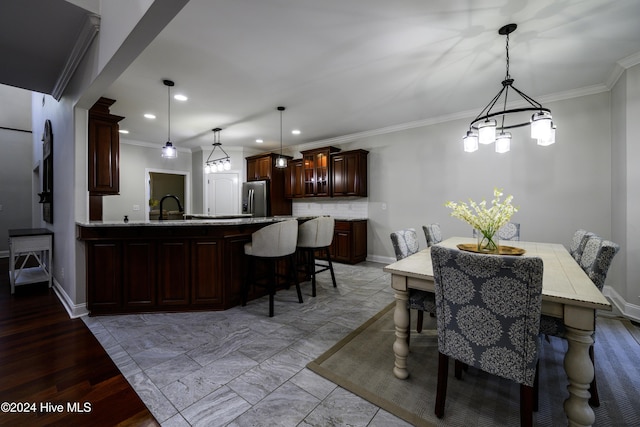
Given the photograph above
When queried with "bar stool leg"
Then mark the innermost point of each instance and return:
(272, 286)
(333, 276)
(312, 270)
(294, 275)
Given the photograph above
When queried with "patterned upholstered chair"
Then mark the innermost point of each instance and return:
(432, 233)
(578, 242)
(595, 261)
(488, 315)
(405, 243)
(270, 244)
(509, 231)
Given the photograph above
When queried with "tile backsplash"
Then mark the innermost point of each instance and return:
(351, 209)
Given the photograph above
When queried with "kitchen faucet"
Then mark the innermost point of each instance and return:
(171, 196)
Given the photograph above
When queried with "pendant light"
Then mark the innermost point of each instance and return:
(169, 151)
(281, 162)
(484, 129)
(220, 164)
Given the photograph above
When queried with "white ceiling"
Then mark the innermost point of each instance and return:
(342, 67)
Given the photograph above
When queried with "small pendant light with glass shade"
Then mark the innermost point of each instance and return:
(219, 164)
(169, 151)
(281, 162)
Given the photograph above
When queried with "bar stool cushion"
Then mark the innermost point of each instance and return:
(273, 241)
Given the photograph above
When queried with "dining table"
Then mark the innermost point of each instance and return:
(567, 294)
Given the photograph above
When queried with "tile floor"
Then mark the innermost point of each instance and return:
(241, 368)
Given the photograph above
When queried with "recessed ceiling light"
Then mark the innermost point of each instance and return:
(150, 116)
(259, 141)
(123, 131)
(180, 97)
(296, 132)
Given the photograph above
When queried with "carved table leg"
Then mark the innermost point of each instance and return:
(579, 369)
(400, 346)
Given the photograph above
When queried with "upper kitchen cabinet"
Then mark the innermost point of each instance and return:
(349, 173)
(104, 149)
(294, 180)
(316, 168)
(260, 167)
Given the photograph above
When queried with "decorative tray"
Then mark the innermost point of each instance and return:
(502, 250)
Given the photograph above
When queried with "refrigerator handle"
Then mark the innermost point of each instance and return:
(250, 210)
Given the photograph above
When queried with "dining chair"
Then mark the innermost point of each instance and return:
(579, 240)
(509, 231)
(270, 244)
(405, 243)
(316, 235)
(488, 315)
(432, 233)
(595, 261)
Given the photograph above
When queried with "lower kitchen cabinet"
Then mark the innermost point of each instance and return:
(349, 243)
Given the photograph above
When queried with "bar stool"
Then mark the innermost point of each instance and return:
(313, 235)
(272, 243)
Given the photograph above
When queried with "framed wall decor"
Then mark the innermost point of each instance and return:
(46, 197)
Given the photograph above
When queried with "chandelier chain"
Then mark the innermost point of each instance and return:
(508, 76)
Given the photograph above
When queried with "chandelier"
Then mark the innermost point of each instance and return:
(169, 151)
(491, 126)
(219, 164)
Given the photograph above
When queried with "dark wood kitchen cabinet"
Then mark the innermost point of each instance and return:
(316, 166)
(103, 149)
(263, 166)
(349, 173)
(136, 269)
(349, 243)
(294, 184)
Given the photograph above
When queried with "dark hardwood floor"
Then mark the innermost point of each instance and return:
(48, 360)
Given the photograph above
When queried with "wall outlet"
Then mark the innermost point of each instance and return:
(136, 207)
(384, 206)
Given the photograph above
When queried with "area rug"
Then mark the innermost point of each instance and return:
(362, 363)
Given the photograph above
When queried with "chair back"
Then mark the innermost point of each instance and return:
(488, 311)
(274, 240)
(316, 233)
(578, 242)
(596, 259)
(509, 231)
(405, 243)
(432, 233)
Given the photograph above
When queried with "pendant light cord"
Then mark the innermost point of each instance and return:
(169, 110)
(280, 133)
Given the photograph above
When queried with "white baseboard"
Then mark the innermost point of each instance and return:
(380, 259)
(73, 310)
(628, 310)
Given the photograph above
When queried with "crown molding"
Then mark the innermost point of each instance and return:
(90, 28)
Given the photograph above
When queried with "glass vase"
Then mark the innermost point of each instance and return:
(487, 242)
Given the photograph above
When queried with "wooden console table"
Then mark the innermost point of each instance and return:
(30, 242)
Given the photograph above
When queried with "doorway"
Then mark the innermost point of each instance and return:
(159, 183)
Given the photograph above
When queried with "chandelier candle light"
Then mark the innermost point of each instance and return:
(219, 164)
(484, 129)
(169, 151)
(487, 221)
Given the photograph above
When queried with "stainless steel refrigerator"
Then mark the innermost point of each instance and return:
(255, 198)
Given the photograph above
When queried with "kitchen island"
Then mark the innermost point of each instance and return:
(180, 265)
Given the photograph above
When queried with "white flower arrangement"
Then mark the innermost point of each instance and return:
(486, 220)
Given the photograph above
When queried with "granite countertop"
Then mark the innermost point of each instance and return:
(199, 220)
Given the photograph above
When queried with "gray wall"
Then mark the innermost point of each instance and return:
(559, 188)
(134, 159)
(15, 183)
